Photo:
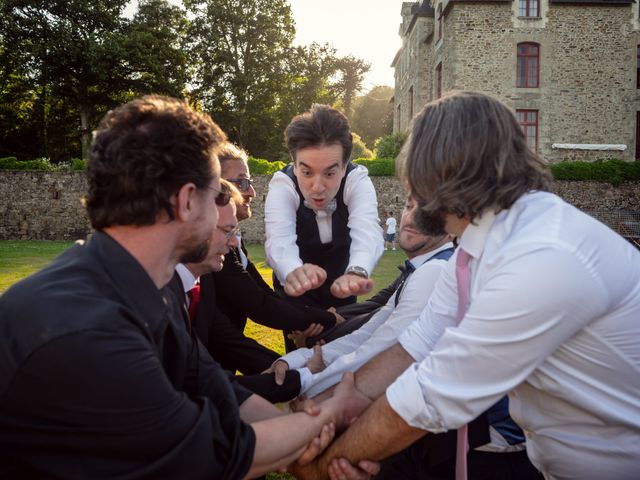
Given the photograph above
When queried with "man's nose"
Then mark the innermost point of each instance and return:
(232, 242)
(317, 185)
(251, 192)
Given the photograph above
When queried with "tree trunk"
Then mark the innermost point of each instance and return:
(84, 131)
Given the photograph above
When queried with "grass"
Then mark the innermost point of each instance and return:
(19, 259)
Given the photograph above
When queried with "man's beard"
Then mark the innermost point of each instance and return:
(430, 223)
(197, 254)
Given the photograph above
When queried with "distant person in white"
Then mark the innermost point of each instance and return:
(390, 235)
(321, 218)
(348, 353)
(553, 317)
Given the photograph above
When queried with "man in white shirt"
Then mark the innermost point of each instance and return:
(551, 316)
(390, 235)
(321, 218)
(427, 257)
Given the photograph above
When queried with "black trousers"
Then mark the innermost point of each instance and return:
(414, 463)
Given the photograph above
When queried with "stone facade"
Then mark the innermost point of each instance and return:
(46, 206)
(587, 91)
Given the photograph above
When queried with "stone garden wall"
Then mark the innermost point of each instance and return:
(47, 205)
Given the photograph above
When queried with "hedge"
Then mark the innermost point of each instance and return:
(614, 172)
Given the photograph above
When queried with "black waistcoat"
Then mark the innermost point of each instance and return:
(332, 256)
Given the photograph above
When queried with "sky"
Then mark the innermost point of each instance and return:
(367, 29)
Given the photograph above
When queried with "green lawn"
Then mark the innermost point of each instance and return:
(21, 258)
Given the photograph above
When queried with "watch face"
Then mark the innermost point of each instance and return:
(361, 272)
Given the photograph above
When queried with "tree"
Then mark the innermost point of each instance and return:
(241, 47)
(83, 57)
(373, 114)
(352, 71)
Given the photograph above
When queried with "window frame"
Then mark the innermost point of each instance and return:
(526, 7)
(524, 122)
(527, 56)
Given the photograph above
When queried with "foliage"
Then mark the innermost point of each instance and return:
(389, 146)
(351, 73)
(258, 166)
(42, 164)
(373, 114)
(611, 171)
(378, 167)
(72, 60)
(360, 150)
(240, 49)
(78, 164)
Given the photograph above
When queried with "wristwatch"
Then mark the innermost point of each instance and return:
(359, 271)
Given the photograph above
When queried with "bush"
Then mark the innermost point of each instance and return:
(388, 146)
(611, 171)
(78, 164)
(378, 167)
(42, 164)
(360, 150)
(259, 166)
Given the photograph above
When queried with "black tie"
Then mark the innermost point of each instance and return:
(406, 269)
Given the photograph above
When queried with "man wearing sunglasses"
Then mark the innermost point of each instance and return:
(99, 376)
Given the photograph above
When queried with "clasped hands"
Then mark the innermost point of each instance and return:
(348, 403)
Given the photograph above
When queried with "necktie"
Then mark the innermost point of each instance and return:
(407, 269)
(194, 299)
(463, 277)
(330, 208)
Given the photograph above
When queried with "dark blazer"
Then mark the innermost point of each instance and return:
(226, 343)
(246, 350)
(243, 293)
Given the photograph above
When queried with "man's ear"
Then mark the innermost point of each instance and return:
(184, 202)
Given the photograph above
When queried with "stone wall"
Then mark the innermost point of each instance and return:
(46, 206)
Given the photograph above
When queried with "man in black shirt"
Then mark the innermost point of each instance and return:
(98, 375)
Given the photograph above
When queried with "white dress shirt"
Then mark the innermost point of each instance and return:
(348, 353)
(554, 321)
(280, 209)
(188, 280)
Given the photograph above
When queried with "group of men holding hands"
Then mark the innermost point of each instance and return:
(517, 349)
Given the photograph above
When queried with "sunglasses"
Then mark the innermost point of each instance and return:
(242, 183)
(223, 197)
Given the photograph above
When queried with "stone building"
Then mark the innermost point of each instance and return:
(569, 69)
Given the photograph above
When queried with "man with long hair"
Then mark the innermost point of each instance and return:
(540, 302)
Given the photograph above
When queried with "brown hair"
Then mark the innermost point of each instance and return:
(142, 153)
(322, 125)
(228, 152)
(467, 153)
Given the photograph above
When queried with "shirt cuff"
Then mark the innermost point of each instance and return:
(406, 398)
(285, 267)
(305, 379)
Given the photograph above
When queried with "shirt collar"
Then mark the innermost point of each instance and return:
(186, 277)
(135, 286)
(474, 237)
(420, 259)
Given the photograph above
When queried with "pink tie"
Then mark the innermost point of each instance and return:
(463, 279)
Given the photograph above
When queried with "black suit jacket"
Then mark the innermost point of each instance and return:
(226, 343)
(246, 350)
(243, 293)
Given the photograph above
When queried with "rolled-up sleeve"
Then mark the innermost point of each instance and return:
(513, 324)
(367, 243)
(280, 209)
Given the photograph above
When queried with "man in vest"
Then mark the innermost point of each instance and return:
(321, 218)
